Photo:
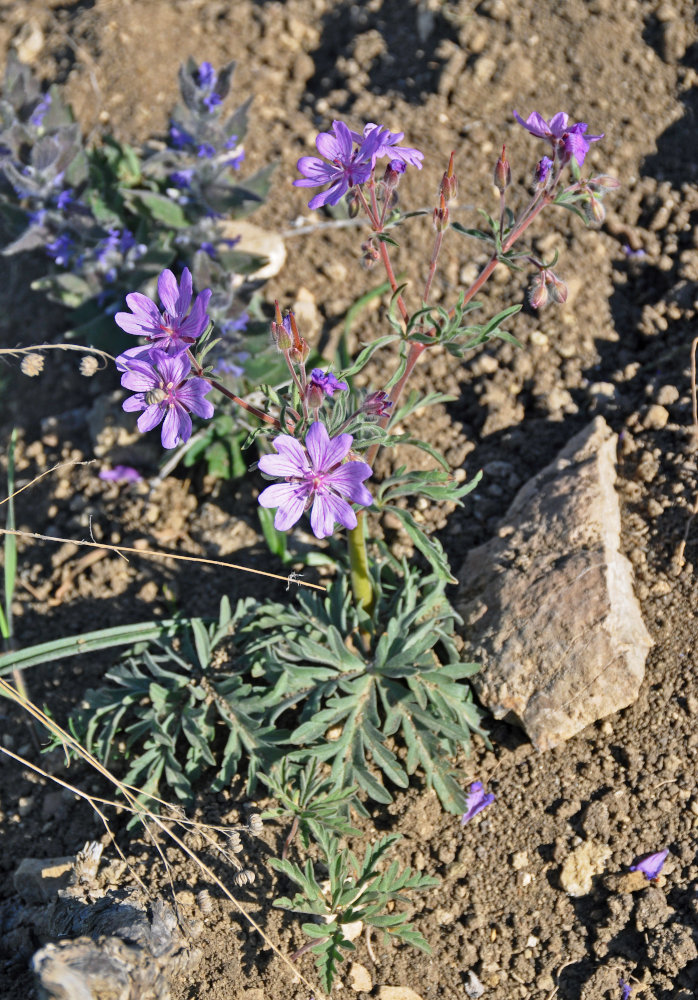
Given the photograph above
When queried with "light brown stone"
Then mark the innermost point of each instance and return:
(548, 605)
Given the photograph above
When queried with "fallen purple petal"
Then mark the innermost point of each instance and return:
(121, 474)
(651, 865)
(477, 801)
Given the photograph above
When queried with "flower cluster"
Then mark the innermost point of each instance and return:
(352, 158)
(159, 371)
(567, 141)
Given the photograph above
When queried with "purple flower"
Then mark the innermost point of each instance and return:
(387, 146)
(40, 111)
(236, 161)
(543, 169)
(326, 382)
(206, 151)
(477, 801)
(182, 178)
(164, 393)
(206, 75)
(570, 140)
(626, 988)
(173, 330)
(347, 166)
(60, 250)
(121, 474)
(179, 137)
(315, 475)
(651, 865)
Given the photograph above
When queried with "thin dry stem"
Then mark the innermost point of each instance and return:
(154, 553)
(68, 740)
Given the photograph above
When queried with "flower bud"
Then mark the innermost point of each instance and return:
(440, 217)
(353, 203)
(538, 295)
(595, 211)
(557, 290)
(377, 404)
(603, 182)
(314, 395)
(299, 352)
(543, 169)
(32, 364)
(502, 172)
(449, 182)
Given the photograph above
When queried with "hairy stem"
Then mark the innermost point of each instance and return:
(361, 585)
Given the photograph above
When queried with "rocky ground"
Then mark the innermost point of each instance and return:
(448, 74)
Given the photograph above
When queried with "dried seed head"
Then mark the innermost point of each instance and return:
(234, 842)
(32, 364)
(88, 365)
(204, 901)
(255, 824)
(245, 877)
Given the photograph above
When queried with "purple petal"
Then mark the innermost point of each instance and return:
(121, 474)
(326, 510)
(191, 395)
(143, 307)
(290, 460)
(176, 427)
(535, 124)
(290, 498)
(316, 171)
(558, 124)
(651, 865)
(149, 418)
(168, 290)
(348, 480)
(477, 801)
(139, 377)
(331, 196)
(134, 403)
(324, 453)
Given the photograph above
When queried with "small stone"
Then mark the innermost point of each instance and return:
(307, 314)
(37, 880)
(257, 242)
(654, 508)
(582, 865)
(655, 418)
(473, 988)
(519, 860)
(397, 993)
(444, 917)
(667, 395)
(625, 882)
(360, 978)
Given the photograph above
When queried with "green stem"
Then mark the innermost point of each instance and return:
(361, 585)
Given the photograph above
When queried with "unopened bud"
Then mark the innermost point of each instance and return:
(314, 395)
(32, 364)
(89, 365)
(449, 182)
(502, 172)
(557, 290)
(299, 352)
(440, 217)
(353, 203)
(595, 212)
(377, 404)
(603, 182)
(371, 255)
(538, 295)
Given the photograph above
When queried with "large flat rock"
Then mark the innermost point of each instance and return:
(548, 604)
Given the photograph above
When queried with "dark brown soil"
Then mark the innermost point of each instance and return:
(448, 73)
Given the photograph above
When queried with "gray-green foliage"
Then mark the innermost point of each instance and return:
(356, 890)
(394, 696)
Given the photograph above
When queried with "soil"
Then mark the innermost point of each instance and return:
(448, 73)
